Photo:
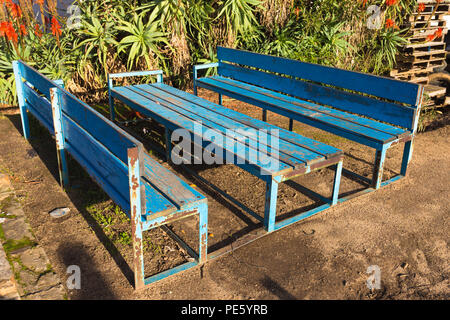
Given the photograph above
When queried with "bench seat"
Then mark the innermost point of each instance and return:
(351, 126)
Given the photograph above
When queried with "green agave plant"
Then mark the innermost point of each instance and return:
(142, 39)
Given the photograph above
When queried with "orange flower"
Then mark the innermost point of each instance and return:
(390, 23)
(16, 12)
(421, 8)
(23, 30)
(435, 35)
(3, 28)
(37, 31)
(56, 28)
(40, 2)
(391, 2)
(11, 33)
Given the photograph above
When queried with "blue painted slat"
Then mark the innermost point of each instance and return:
(156, 203)
(40, 107)
(106, 169)
(288, 151)
(172, 187)
(379, 126)
(401, 91)
(259, 150)
(299, 117)
(109, 134)
(174, 120)
(304, 115)
(370, 107)
(38, 80)
(292, 137)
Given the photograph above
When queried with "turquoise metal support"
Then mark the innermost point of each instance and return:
(59, 137)
(337, 183)
(168, 142)
(111, 76)
(270, 209)
(407, 155)
(201, 67)
(136, 216)
(20, 97)
(380, 156)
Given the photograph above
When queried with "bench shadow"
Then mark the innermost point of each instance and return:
(83, 191)
(276, 289)
(75, 254)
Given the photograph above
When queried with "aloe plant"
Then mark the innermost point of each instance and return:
(142, 40)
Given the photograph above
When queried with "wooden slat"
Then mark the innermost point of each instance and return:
(39, 106)
(175, 120)
(374, 85)
(38, 80)
(155, 203)
(292, 137)
(288, 152)
(109, 134)
(167, 183)
(379, 126)
(373, 108)
(300, 113)
(106, 169)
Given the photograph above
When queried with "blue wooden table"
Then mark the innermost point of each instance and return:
(296, 155)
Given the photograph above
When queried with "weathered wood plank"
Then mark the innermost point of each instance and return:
(175, 120)
(38, 80)
(379, 126)
(370, 107)
(288, 152)
(374, 85)
(292, 137)
(301, 114)
(106, 132)
(105, 168)
(39, 106)
(172, 187)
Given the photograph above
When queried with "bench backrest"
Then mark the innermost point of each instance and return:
(34, 92)
(96, 143)
(383, 99)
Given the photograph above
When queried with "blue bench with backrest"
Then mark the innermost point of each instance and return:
(375, 111)
(149, 194)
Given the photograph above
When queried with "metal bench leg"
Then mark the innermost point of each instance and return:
(203, 233)
(291, 124)
(270, 209)
(264, 115)
(111, 99)
(59, 137)
(377, 178)
(168, 144)
(337, 183)
(407, 154)
(21, 100)
(220, 99)
(136, 216)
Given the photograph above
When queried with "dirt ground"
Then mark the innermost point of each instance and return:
(403, 228)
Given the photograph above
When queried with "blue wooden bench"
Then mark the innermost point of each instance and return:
(148, 193)
(375, 111)
(209, 125)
